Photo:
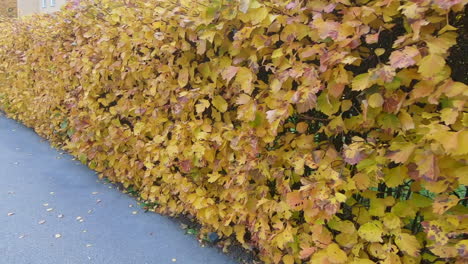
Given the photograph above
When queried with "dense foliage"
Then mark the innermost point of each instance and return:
(318, 131)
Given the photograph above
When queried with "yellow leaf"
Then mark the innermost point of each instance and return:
(406, 120)
(431, 65)
(408, 244)
(183, 77)
(362, 261)
(361, 82)
(336, 254)
(391, 221)
(288, 259)
(213, 177)
(379, 51)
(244, 78)
(371, 231)
(219, 103)
(375, 100)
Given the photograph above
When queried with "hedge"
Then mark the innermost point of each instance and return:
(310, 131)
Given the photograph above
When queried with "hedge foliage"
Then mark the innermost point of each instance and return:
(316, 131)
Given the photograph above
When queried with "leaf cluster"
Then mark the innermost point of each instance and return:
(313, 131)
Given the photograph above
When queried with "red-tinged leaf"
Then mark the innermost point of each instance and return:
(306, 102)
(404, 58)
(294, 199)
(229, 73)
(443, 203)
(372, 38)
(335, 89)
(422, 89)
(306, 252)
(447, 4)
(353, 154)
(428, 167)
(401, 151)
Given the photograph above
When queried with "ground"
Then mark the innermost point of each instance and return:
(53, 210)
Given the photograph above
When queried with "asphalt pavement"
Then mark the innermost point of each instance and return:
(55, 210)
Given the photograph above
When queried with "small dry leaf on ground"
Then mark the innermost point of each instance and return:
(45, 204)
(10, 214)
(52, 193)
(60, 216)
(49, 209)
(57, 235)
(134, 212)
(94, 192)
(41, 222)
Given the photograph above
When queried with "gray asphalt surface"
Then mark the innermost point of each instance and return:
(35, 177)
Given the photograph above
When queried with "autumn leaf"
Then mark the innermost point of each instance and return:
(361, 82)
(244, 5)
(183, 77)
(443, 203)
(404, 58)
(400, 151)
(311, 131)
(375, 100)
(336, 254)
(288, 259)
(220, 103)
(371, 231)
(229, 73)
(430, 65)
(244, 78)
(408, 244)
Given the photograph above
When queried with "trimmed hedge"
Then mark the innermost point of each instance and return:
(319, 131)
